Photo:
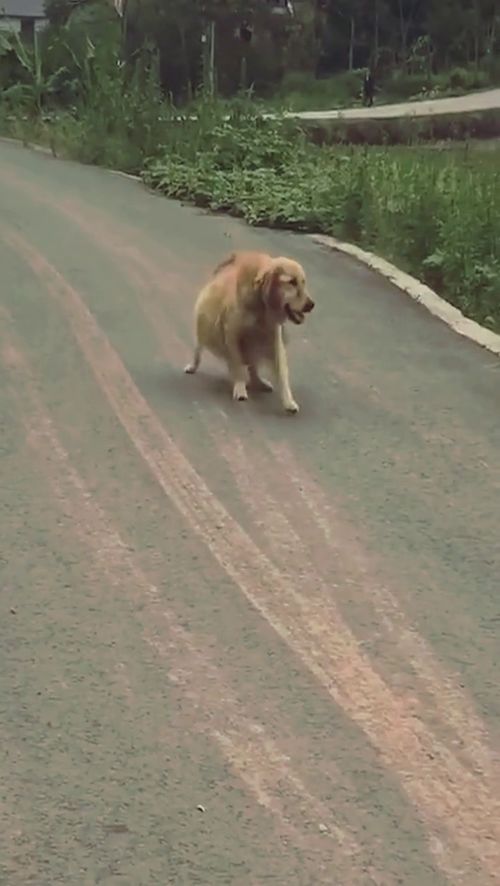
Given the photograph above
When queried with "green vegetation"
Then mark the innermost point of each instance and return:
(300, 91)
(314, 58)
(122, 92)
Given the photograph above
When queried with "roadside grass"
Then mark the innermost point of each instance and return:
(303, 92)
(434, 213)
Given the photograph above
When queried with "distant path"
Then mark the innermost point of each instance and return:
(474, 101)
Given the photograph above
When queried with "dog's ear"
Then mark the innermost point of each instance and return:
(268, 283)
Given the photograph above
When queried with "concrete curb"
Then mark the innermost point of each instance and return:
(131, 177)
(418, 291)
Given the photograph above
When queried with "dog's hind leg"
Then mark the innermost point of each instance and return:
(256, 380)
(193, 366)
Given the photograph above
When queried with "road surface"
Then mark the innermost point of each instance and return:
(236, 647)
(487, 100)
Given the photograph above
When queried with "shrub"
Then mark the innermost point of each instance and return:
(402, 86)
(301, 92)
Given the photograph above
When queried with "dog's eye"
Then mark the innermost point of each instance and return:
(293, 281)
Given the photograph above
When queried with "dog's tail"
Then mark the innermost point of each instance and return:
(225, 264)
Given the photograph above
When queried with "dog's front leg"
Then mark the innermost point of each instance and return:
(281, 370)
(192, 367)
(237, 368)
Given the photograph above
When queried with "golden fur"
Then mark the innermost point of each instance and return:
(240, 314)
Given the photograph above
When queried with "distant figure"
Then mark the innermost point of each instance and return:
(368, 89)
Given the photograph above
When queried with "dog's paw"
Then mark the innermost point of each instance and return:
(292, 407)
(190, 369)
(240, 391)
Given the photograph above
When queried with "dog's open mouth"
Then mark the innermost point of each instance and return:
(296, 317)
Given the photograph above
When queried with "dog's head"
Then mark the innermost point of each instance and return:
(282, 284)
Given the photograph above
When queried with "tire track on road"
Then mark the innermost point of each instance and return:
(109, 235)
(255, 757)
(319, 545)
(454, 704)
(435, 782)
(287, 548)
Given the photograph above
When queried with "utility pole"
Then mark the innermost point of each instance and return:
(246, 34)
(211, 59)
(208, 41)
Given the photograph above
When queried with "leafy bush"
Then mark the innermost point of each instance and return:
(32, 83)
(299, 91)
(403, 86)
(466, 79)
(111, 116)
(86, 45)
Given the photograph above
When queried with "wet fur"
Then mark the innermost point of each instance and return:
(240, 316)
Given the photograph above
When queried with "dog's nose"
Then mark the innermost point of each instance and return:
(309, 305)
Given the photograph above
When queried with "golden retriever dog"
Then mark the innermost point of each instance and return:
(240, 315)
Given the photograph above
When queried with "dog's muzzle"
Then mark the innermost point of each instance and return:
(298, 317)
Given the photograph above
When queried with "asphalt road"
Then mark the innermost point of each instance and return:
(236, 647)
(487, 100)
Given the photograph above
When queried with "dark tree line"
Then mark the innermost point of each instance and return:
(234, 43)
(449, 32)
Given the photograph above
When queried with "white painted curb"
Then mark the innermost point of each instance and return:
(421, 293)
